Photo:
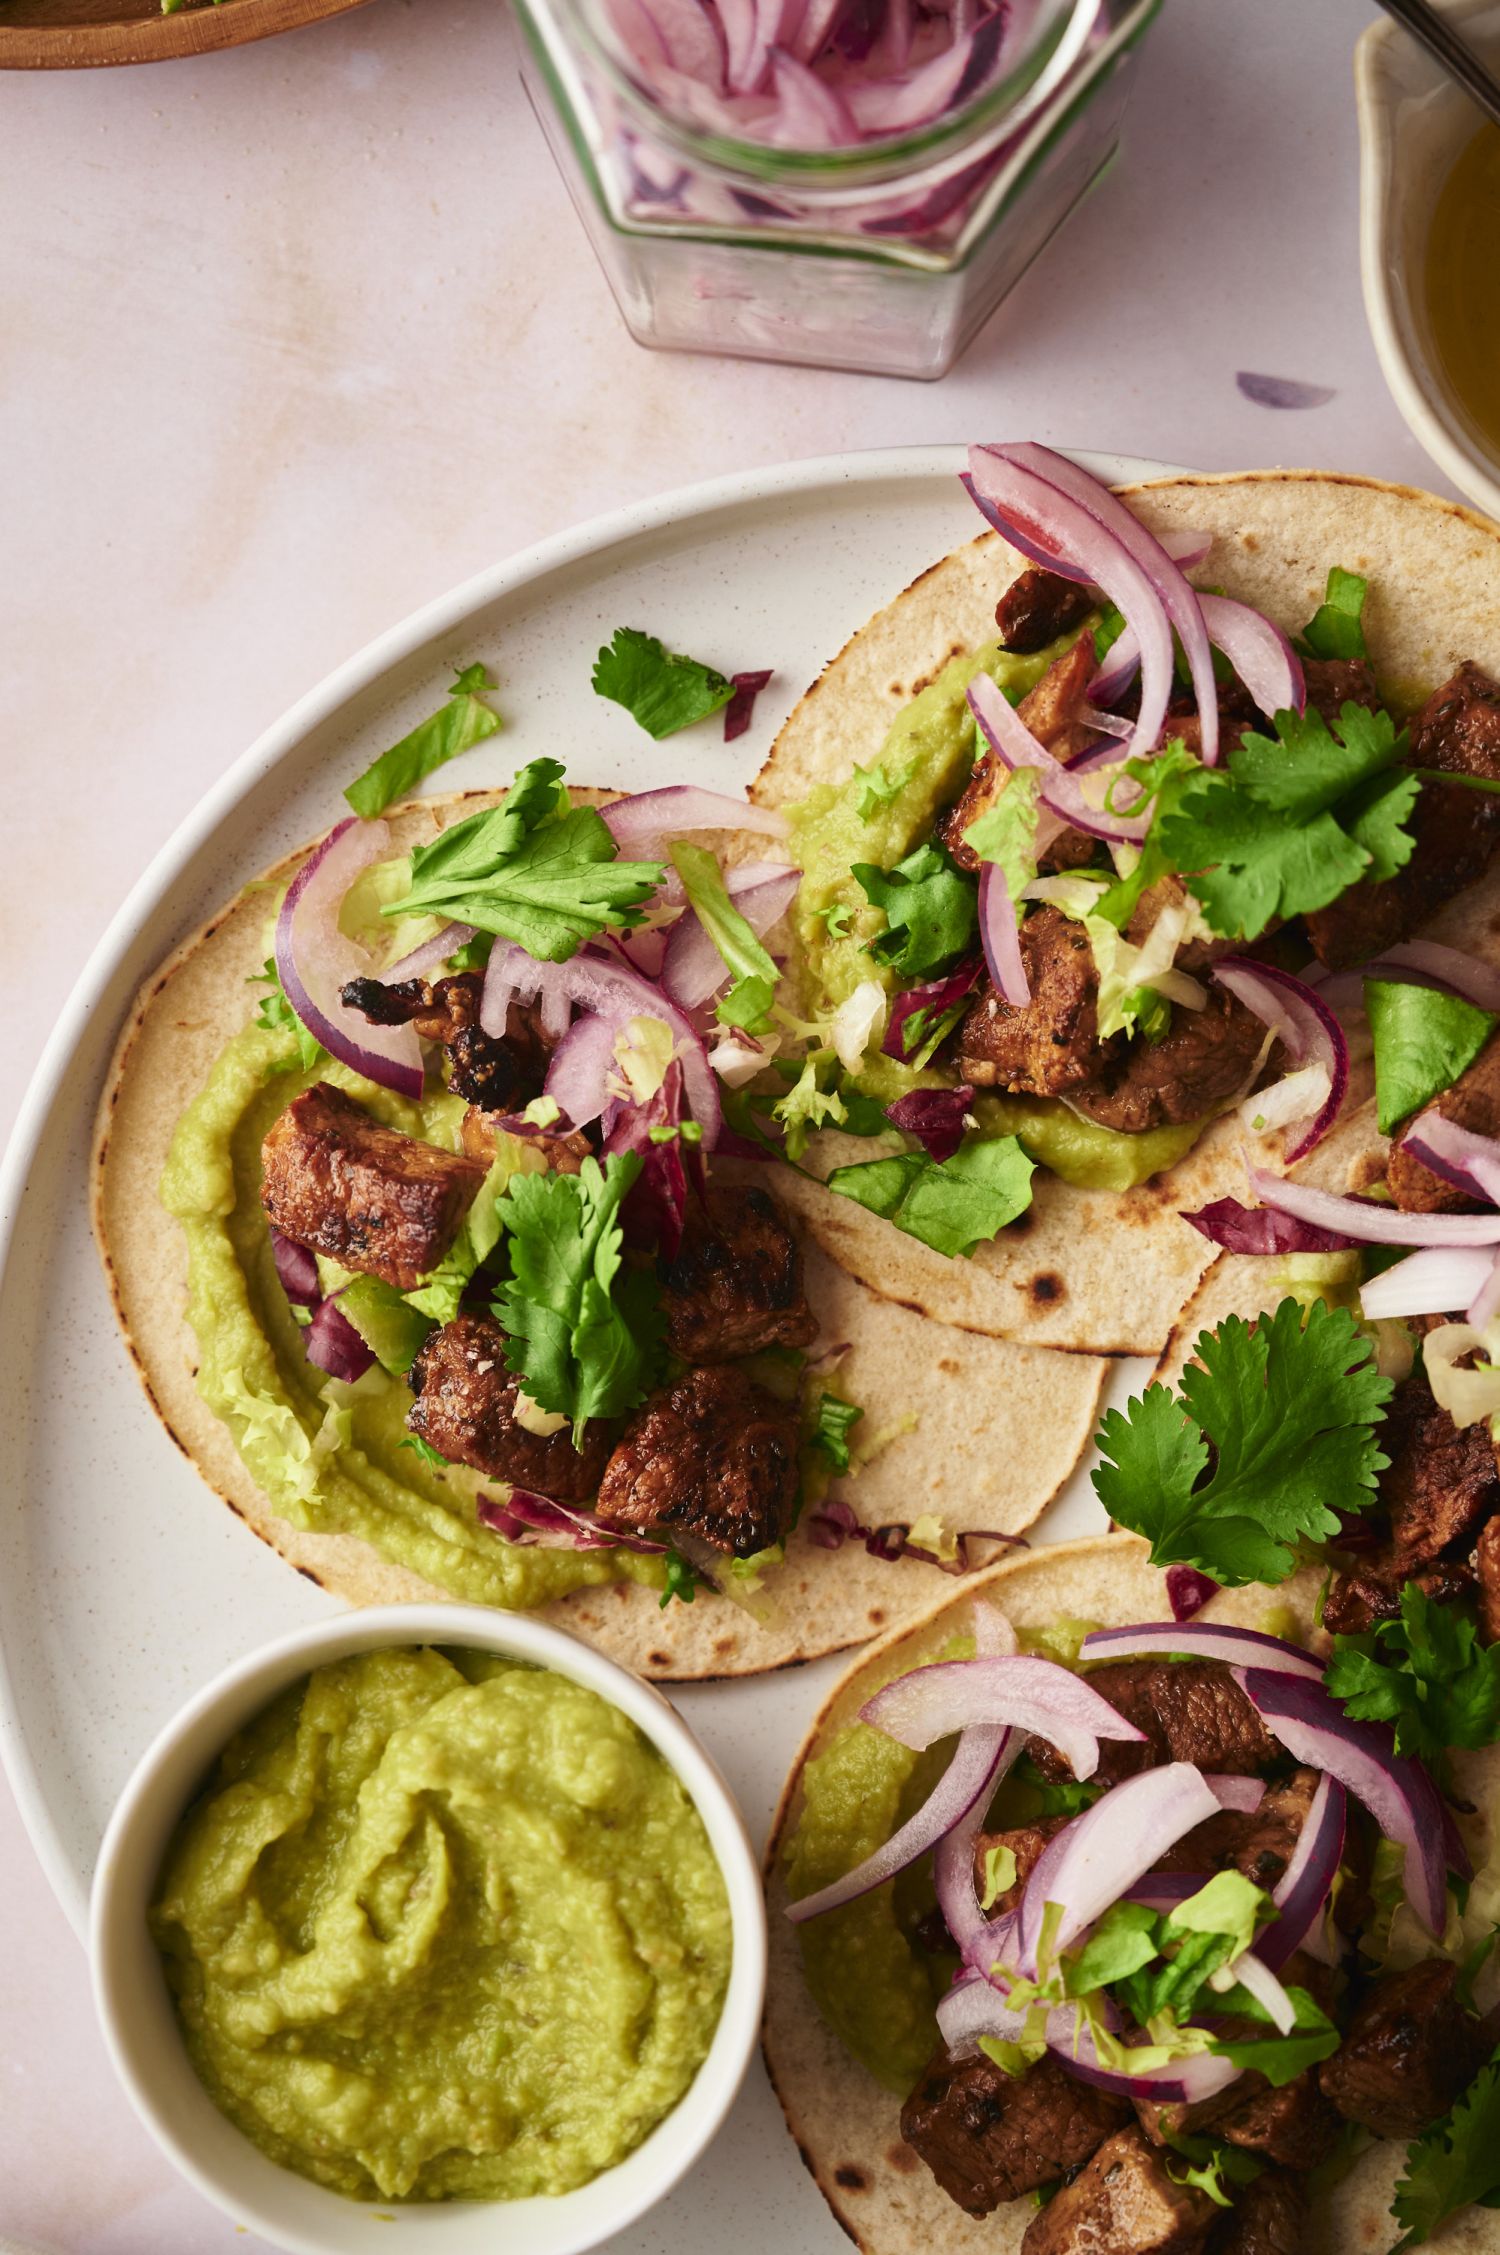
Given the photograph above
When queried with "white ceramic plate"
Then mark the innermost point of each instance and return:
(124, 1583)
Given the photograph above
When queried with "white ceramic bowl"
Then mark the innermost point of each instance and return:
(1413, 122)
(141, 2030)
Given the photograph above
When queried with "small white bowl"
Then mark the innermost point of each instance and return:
(141, 2030)
(1413, 123)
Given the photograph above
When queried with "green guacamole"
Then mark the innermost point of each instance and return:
(930, 750)
(328, 1456)
(442, 1927)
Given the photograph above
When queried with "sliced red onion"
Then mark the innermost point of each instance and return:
(1303, 1888)
(297, 1269)
(1177, 600)
(1000, 937)
(525, 1517)
(737, 879)
(980, 1761)
(1185, 2083)
(1188, 1591)
(953, 1859)
(1242, 1793)
(693, 969)
(1259, 652)
(333, 1344)
(315, 961)
(1439, 1281)
(1398, 1793)
(431, 955)
(1035, 1696)
(1253, 1974)
(655, 1209)
(937, 1117)
(1470, 1162)
(1427, 963)
(579, 1068)
(1486, 1300)
(1257, 1230)
(1095, 1859)
(931, 1000)
(740, 710)
(1014, 745)
(649, 819)
(1121, 664)
(1304, 1024)
(1371, 1224)
(1201, 1640)
(836, 1524)
(811, 113)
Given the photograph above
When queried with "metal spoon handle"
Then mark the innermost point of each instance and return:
(1456, 55)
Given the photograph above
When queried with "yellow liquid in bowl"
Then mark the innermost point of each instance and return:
(1463, 282)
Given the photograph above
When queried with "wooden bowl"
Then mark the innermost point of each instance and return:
(77, 34)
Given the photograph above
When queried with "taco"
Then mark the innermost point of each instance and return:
(1100, 946)
(1166, 1955)
(432, 1330)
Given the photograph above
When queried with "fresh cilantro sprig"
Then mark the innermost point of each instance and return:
(931, 912)
(1453, 2165)
(463, 721)
(1272, 1435)
(751, 965)
(1425, 1672)
(276, 1015)
(582, 1331)
(534, 870)
(953, 1206)
(659, 689)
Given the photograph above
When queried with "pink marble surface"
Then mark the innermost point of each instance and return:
(295, 337)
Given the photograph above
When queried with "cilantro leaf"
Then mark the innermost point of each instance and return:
(952, 1207)
(276, 1016)
(1426, 1672)
(1289, 1413)
(463, 721)
(752, 967)
(1423, 1041)
(533, 870)
(1306, 769)
(660, 690)
(931, 911)
(1454, 2163)
(584, 1333)
(831, 1426)
(681, 1582)
(1337, 627)
(1006, 831)
(1375, 816)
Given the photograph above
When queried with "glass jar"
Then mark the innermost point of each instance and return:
(885, 258)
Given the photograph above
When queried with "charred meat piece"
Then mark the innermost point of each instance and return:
(1268, 2218)
(496, 1075)
(1455, 830)
(373, 1200)
(563, 1151)
(1441, 1484)
(1237, 714)
(712, 1456)
(1295, 2125)
(1050, 711)
(736, 1283)
(438, 1009)
(1333, 683)
(1205, 1058)
(1356, 1603)
(1472, 1102)
(1040, 605)
(466, 1405)
(989, 2137)
(1487, 1559)
(1052, 1045)
(1190, 1711)
(1259, 1842)
(1122, 2203)
(1409, 2052)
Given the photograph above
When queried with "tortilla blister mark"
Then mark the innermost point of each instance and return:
(1026, 1416)
(1128, 1263)
(846, 2126)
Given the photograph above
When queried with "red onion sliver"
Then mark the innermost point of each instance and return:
(1000, 937)
(1242, 1793)
(1014, 745)
(652, 817)
(1103, 1852)
(1303, 1888)
(1188, 1591)
(1258, 651)
(544, 1515)
(1258, 1231)
(937, 996)
(1439, 1281)
(431, 954)
(579, 1068)
(333, 1344)
(1202, 1640)
(1253, 1974)
(692, 969)
(1371, 1225)
(740, 710)
(979, 1762)
(1303, 1022)
(1036, 1696)
(1185, 2083)
(937, 1117)
(1455, 1153)
(314, 960)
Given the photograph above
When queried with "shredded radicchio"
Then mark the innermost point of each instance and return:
(1188, 1591)
(333, 1344)
(836, 1524)
(741, 706)
(297, 1269)
(927, 1003)
(655, 1207)
(538, 1522)
(1261, 1229)
(935, 1116)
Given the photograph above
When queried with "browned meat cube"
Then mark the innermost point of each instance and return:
(1409, 2052)
(1209, 1846)
(1258, 1843)
(712, 1456)
(1026, 1843)
(1441, 1484)
(1050, 711)
(1205, 1058)
(1295, 2125)
(466, 1409)
(1122, 2203)
(341, 1184)
(1040, 605)
(1356, 1602)
(1487, 1559)
(1267, 2218)
(1333, 683)
(1052, 1045)
(1472, 1102)
(989, 2137)
(563, 1150)
(736, 1284)
(1455, 830)
(497, 1075)
(1190, 1711)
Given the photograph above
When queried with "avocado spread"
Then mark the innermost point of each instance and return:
(443, 1927)
(924, 763)
(329, 1456)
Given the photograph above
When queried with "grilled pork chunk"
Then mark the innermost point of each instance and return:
(1472, 1102)
(340, 1183)
(1050, 711)
(736, 1283)
(466, 1408)
(1051, 1047)
(1124, 2202)
(712, 1456)
(1040, 605)
(989, 2137)
(1410, 2050)
(1190, 1711)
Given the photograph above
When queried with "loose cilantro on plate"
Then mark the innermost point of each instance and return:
(1269, 1439)
(463, 721)
(1423, 1041)
(276, 1015)
(659, 689)
(1337, 627)
(952, 1207)
(582, 1331)
(753, 969)
(533, 870)
(1426, 1672)
(830, 1428)
(931, 912)
(1454, 2163)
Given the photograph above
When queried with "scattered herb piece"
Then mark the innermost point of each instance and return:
(463, 721)
(1425, 1672)
(1337, 627)
(660, 690)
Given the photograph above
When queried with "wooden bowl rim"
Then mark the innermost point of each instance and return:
(193, 30)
